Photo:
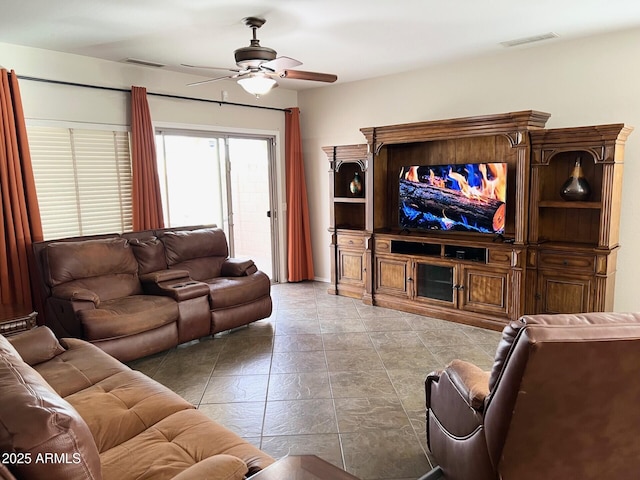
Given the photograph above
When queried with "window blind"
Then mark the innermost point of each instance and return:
(83, 180)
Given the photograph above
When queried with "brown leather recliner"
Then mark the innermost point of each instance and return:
(238, 292)
(143, 292)
(93, 292)
(561, 402)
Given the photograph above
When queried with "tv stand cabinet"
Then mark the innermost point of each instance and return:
(450, 278)
(555, 256)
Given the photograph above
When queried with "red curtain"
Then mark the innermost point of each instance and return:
(147, 202)
(20, 223)
(299, 255)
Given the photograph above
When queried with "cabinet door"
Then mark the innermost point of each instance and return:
(484, 290)
(564, 293)
(350, 267)
(435, 283)
(393, 276)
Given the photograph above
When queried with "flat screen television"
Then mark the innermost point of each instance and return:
(467, 197)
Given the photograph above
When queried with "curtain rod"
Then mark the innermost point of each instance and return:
(165, 95)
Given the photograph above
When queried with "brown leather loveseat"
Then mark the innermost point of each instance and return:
(140, 293)
(561, 402)
(70, 411)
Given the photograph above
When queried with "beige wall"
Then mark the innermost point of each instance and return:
(43, 101)
(595, 80)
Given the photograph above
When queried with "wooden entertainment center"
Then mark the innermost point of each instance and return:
(555, 256)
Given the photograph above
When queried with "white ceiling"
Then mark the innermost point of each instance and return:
(355, 39)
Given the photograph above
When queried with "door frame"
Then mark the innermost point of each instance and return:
(277, 183)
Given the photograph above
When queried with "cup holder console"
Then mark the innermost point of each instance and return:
(182, 285)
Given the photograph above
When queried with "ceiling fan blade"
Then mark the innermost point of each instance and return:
(212, 80)
(281, 63)
(211, 68)
(315, 76)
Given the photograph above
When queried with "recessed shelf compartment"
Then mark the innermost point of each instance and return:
(459, 252)
(415, 248)
(474, 254)
(350, 200)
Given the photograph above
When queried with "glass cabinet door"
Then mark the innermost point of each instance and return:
(435, 282)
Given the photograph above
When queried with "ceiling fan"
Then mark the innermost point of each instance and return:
(258, 66)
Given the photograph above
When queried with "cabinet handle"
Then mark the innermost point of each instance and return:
(409, 279)
(456, 287)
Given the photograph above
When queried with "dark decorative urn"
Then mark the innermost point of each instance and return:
(576, 188)
(355, 187)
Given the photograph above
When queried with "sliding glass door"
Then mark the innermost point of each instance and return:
(223, 179)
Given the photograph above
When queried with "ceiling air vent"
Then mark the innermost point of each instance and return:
(144, 63)
(535, 38)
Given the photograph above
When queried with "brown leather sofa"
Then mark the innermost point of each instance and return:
(561, 402)
(140, 293)
(70, 411)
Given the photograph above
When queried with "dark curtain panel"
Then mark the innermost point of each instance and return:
(299, 255)
(147, 202)
(20, 223)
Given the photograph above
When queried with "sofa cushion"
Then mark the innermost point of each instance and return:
(127, 316)
(36, 345)
(233, 291)
(173, 445)
(124, 405)
(37, 423)
(80, 366)
(201, 252)
(105, 266)
(149, 253)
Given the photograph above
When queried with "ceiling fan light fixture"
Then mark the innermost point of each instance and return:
(257, 84)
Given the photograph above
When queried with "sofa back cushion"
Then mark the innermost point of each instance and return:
(200, 252)
(45, 433)
(149, 253)
(106, 267)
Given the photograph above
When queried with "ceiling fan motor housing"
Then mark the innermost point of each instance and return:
(253, 55)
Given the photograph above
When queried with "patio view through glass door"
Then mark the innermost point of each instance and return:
(227, 180)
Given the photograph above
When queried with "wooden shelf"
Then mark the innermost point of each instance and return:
(563, 204)
(350, 200)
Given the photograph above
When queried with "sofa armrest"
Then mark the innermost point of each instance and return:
(471, 381)
(72, 293)
(164, 276)
(220, 467)
(237, 267)
(456, 395)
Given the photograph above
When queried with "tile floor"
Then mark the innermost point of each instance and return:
(325, 375)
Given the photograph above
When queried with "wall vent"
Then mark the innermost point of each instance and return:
(535, 38)
(144, 63)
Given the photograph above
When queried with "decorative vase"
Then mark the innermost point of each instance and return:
(355, 187)
(576, 188)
